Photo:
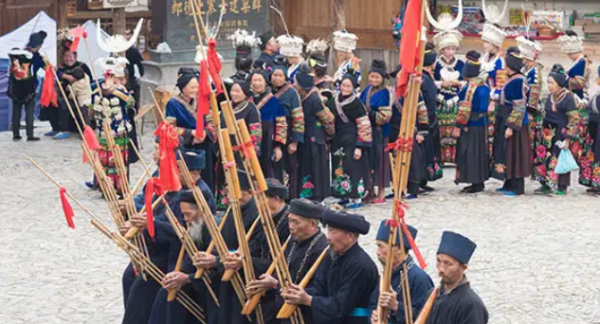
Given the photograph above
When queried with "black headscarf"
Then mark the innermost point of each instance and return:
(264, 39)
(378, 66)
(304, 77)
(472, 66)
(513, 59)
(37, 39)
(245, 87)
(430, 55)
(185, 75)
(558, 74)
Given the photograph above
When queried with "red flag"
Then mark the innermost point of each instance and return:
(67, 208)
(91, 140)
(214, 64)
(410, 45)
(168, 171)
(49, 96)
(77, 33)
(203, 98)
(152, 188)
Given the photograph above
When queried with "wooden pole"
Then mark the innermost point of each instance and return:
(119, 21)
(173, 292)
(401, 170)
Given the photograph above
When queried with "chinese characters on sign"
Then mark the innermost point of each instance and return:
(250, 15)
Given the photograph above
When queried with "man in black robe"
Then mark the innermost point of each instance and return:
(305, 246)
(276, 194)
(269, 47)
(173, 312)
(230, 309)
(163, 249)
(456, 302)
(419, 282)
(342, 286)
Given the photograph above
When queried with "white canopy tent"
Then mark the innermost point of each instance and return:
(19, 37)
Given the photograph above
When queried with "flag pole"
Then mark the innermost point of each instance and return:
(403, 150)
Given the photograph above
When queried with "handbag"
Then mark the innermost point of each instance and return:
(566, 163)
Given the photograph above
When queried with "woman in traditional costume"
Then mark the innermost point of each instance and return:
(378, 103)
(111, 105)
(472, 158)
(429, 91)
(182, 111)
(345, 44)
(317, 60)
(492, 64)
(447, 74)
(512, 145)
(589, 175)
(560, 127)
(319, 125)
(274, 126)
(353, 136)
(533, 72)
(289, 99)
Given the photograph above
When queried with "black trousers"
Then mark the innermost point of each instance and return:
(16, 117)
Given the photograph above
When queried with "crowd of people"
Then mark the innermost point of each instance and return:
(318, 136)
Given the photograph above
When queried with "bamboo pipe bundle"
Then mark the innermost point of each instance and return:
(233, 188)
(109, 192)
(427, 307)
(253, 302)
(401, 169)
(211, 224)
(124, 182)
(153, 271)
(251, 159)
(287, 309)
(211, 246)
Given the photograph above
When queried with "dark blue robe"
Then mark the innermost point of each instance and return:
(460, 306)
(341, 290)
(420, 288)
(274, 133)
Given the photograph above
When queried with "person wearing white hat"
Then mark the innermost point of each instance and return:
(113, 104)
(492, 62)
(345, 44)
(530, 51)
(447, 74)
(290, 46)
(579, 74)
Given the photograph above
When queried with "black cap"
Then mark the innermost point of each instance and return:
(559, 75)
(430, 55)
(37, 39)
(345, 221)
(276, 189)
(185, 75)
(264, 39)
(306, 208)
(513, 59)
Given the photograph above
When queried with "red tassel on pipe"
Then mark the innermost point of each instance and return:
(49, 96)
(411, 241)
(169, 173)
(91, 140)
(215, 65)
(67, 208)
(74, 45)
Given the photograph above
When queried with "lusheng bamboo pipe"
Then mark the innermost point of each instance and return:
(253, 159)
(211, 246)
(152, 270)
(173, 292)
(286, 310)
(253, 302)
(427, 307)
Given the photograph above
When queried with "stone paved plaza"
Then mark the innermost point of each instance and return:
(537, 260)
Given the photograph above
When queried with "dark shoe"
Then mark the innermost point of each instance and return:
(475, 189)
(33, 139)
(428, 189)
(89, 184)
(17, 138)
(466, 189)
(543, 190)
(411, 197)
(593, 191)
(343, 201)
(390, 196)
